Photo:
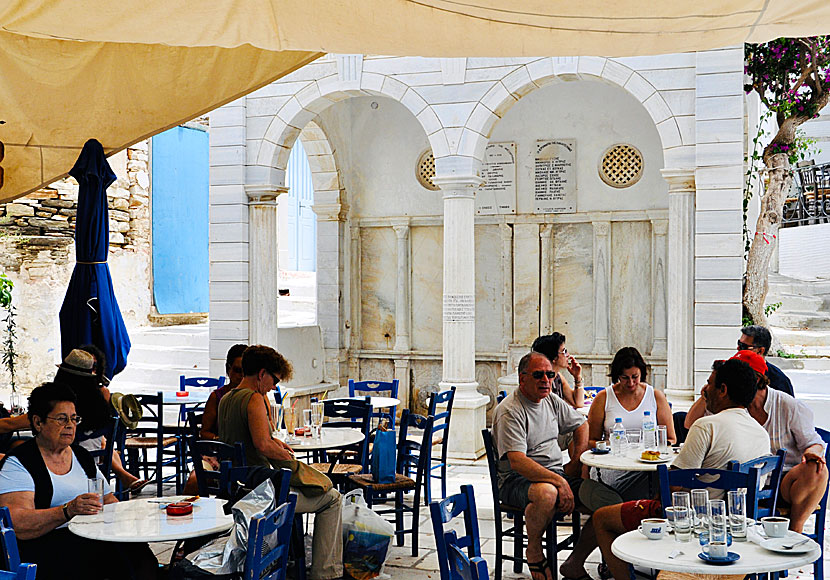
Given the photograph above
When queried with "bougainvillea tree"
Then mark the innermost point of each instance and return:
(792, 78)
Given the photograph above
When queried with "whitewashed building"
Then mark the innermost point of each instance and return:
(629, 233)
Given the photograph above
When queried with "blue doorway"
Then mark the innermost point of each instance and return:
(179, 167)
(300, 238)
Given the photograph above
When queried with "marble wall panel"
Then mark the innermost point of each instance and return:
(426, 374)
(489, 288)
(427, 287)
(631, 286)
(573, 287)
(379, 262)
(377, 369)
(525, 283)
(487, 374)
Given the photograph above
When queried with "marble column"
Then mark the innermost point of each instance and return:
(546, 279)
(263, 267)
(403, 310)
(659, 229)
(354, 303)
(506, 231)
(681, 283)
(602, 288)
(458, 184)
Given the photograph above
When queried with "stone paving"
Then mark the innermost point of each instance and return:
(401, 565)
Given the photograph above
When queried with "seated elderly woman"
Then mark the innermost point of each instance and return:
(628, 398)
(43, 482)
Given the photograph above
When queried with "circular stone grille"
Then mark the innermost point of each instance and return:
(621, 165)
(425, 170)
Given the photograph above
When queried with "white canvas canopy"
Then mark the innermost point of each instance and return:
(123, 71)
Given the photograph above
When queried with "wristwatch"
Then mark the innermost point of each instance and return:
(66, 511)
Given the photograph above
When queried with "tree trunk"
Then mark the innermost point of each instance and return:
(766, 236)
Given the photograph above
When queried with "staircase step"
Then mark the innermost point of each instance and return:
(170, 356)
(793, 340)
(183, 336)
(797, 302)
(796, 320)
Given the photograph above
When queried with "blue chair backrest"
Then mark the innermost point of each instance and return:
(353, 414)
(414, 455)
(818, 535)
(501, 396)
(11, 567)
(114, 434)
(447, 397)
(710, 478)
(231, 478)
(278, 522)
(464, 568)
(197, 382)
(380, 389)
(210, 481)
(771, 465)
(594, 390)
(442, 512)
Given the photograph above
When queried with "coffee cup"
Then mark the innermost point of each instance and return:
(716, 550)
(602, 445)
(654, 528)
(775, 527)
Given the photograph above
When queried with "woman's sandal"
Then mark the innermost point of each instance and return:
(540, 567)
(138, 485)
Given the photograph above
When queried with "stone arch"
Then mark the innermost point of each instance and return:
(271, 155)
(325, 171)
(533, 75)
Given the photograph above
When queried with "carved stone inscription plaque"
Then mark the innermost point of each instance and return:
(498, 194)
(459, 307)
(555, 173)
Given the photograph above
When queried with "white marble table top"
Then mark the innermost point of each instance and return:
(195, 395)
(635, 548)
(376, 402)
(627, 462)
(329, 439)
(143, 520)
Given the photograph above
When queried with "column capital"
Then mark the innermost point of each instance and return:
(458, 185)
(602, 228)
(545, 231)
(401, 227)
(330, 212)
(263, 194)
(680, 179)
(660, 227)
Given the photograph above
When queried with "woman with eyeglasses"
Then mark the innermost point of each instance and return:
(43, 482)
(553, 347)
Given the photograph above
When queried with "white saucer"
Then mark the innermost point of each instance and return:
(774, 545)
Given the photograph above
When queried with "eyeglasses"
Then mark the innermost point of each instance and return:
(563, 351)
(538, 375)
(745, 346)
(275, 377)
(63, 420)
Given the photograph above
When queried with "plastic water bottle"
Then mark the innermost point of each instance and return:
(619, 442)
(649, 436)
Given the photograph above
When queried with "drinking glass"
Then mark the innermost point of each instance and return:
(662, 439)
(717, 521)
(737, 514)
(683, 516)
(96, 486)
(317, 418)
(307, 422)
(700, 505)
(290, 419)
(633, 436)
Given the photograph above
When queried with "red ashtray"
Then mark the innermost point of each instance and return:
(182, 393)
(299, 431)
(179, 509)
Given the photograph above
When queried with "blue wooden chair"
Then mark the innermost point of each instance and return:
(151, 434)
(115, 435)
(12, 569)
(197, 383)
(441, 432)
(210, 481)
(501, 396)
(259, 559)
(464, 568)
(713, 479)
(347, 414)
(768, 465)
(821, 513)
(442, 512)
(413, 456)
(379, 389)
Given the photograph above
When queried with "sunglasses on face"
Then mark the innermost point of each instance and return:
(275, 377)
(538, 375)
(745, 346)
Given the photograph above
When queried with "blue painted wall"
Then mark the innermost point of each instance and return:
(301, 238)
(179, 165)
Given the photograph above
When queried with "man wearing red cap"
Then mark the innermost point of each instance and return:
(790, 426)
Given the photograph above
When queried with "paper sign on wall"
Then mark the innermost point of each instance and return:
(498, 194)
(555, 176)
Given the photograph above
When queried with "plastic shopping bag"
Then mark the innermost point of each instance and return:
(366, 538)
(383, 457)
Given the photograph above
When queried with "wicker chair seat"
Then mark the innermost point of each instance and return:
(147, 442)
(339, 468)
(401, 482)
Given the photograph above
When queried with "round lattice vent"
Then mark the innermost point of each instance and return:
(425, 170)
(621, 165)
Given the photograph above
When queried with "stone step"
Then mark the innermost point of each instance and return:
(797, 320)
(182, 336)
(170, 355)
(779, 284)
(155, 377)
(797, 302)
(795, 339)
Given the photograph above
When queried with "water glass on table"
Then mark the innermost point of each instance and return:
(662, 439)
(682, 515)
(700, 506)
(96, 486)
(317, 418)
(634, 438)
(307, 422)
(737, 514)
(718, 529)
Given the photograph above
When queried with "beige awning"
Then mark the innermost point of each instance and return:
(122, 71)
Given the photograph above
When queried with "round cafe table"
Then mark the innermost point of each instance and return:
(143, 520)
(376, 402)
(635, 548)
(628, 462)
(194, 396)
(334, 438)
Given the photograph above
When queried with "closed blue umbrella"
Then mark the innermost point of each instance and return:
(90, 313)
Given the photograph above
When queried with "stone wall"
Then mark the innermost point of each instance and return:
(37, 253)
